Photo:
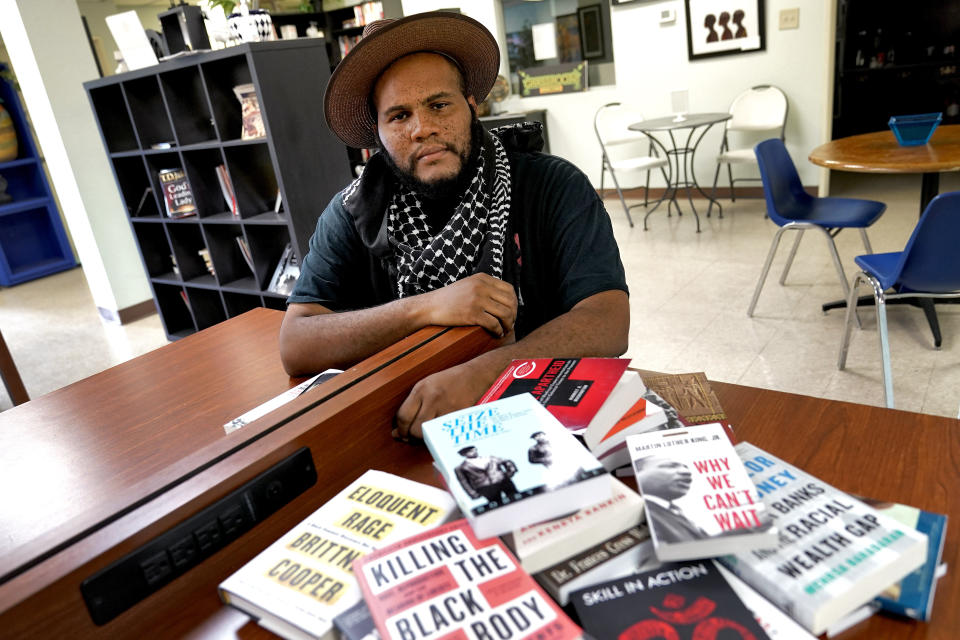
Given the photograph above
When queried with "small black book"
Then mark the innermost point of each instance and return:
(683, 600)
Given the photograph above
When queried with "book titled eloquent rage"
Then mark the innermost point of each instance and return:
(297, 585)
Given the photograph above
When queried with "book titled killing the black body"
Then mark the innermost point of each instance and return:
(681, 601)
(510, 463)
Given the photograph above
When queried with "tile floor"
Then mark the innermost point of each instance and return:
(689, 296)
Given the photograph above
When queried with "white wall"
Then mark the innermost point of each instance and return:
(651, 61)
(48, 48)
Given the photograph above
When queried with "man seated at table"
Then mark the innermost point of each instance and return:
(449, 225)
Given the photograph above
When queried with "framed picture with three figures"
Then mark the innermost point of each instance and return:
(724, 27)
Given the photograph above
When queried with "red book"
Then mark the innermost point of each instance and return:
(444, 584)
(575, 390)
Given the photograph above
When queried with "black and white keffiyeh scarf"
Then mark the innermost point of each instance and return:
(474, 238)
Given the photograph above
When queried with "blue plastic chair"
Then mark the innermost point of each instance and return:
(793, 209)
(929, 267)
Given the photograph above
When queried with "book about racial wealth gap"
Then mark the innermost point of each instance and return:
(444, 583)
(510, 463)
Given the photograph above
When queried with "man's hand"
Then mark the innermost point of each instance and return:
(479, 300)
(449, 390)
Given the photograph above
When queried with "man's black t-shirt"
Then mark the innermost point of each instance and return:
(559, 236)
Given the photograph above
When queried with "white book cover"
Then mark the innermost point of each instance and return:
(777, 624)
(511, 463)
(834, 553)
(699, 498)
(298, 584)
(540, 545)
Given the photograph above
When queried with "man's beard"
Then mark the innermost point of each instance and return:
(445, 187)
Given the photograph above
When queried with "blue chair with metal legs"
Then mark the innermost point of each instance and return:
(793, 209)
(929, 267)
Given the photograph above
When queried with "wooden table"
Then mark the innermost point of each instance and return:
(879, 152)
(10, 376)
(174, 401)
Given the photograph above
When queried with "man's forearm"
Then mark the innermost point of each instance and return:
(596, 327)
(311, 343)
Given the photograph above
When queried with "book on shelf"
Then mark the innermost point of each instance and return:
(834, 553)
(297, 585)
(446, 583)
(226, 188)
(250, 117)
(207, 261)
(178, 199)
(245, 252)
(645, 415)
(540, 545)
(621, 554)
(678, 600)
(913, 595)
(510, 464)
(286, 273)
(582, 393)
(143, 200)
(698, 495)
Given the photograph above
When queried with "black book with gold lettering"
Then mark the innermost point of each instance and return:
(683, 600)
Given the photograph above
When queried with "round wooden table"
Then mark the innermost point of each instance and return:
(880, 152)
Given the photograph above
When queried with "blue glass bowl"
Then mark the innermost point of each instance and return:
(916, 129)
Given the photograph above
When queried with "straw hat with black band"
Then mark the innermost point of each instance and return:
(468, 43)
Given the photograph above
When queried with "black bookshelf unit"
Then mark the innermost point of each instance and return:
(183, 114)
(895, 58)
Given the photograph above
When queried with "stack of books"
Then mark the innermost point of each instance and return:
(719, 535)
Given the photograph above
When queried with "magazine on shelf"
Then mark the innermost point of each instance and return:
(286, 274)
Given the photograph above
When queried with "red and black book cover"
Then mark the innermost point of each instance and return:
(677, 600)
(444, 584)
(572, 389)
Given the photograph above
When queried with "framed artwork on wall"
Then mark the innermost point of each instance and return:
(568, 38)
(591, 31)
(724, 27)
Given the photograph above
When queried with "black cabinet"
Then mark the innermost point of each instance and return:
(183, 114)
(895, 58)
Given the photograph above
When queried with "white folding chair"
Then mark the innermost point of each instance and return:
(758, 109)
(619, 149)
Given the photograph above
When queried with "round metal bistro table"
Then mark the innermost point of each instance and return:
(681, 155)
